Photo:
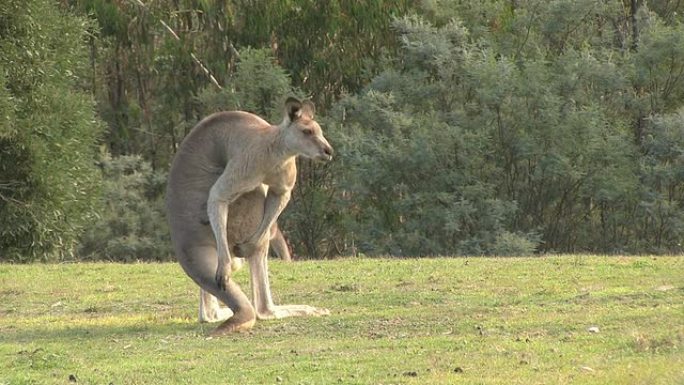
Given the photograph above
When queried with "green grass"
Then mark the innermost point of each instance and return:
(428, 321)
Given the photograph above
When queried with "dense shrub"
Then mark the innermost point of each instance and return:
(48, 131)
(132, 226)
(473, 143)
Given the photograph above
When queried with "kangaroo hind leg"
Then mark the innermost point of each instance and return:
(261, 292)
(210, 308)
(200, 264)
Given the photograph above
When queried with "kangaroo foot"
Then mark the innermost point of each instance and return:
(233, 325)
(283, 311)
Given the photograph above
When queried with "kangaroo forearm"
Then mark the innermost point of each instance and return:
(279, 245)
(274, 205)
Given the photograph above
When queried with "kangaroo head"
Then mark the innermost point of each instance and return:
(303, 135)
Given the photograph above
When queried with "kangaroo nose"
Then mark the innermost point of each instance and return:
(328, 151)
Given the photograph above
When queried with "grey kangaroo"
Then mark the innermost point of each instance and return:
(229, 181)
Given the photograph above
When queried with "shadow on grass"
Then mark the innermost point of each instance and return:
(140, 330)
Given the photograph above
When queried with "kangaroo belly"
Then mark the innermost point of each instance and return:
(244, 216)
(189, 221)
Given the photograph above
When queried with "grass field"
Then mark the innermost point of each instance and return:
(548, 320)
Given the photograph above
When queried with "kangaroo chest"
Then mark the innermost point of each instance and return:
(282, 177)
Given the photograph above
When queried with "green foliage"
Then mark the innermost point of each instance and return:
(329, 47)
(417, 188)
(259, 85)
(489, 127)
(132, 226)
(48, 183)
(658, 65)
(475, 143)
(509, 244)
(662, 169)
(312, 221)
(151, 91)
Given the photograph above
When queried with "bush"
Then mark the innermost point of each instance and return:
(509, 244)
(48, 130)
(132, 226)
(259, 85)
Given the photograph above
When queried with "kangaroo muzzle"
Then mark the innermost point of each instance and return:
(326, 151)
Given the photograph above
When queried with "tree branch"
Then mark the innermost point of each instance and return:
(192, 55)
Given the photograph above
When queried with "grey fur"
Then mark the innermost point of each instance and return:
(232, 176)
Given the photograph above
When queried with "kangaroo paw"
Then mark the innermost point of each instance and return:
(222, 276)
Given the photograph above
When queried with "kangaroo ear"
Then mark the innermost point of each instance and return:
(293, 108)
(308, 109)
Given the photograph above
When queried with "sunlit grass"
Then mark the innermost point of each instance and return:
(409, 321)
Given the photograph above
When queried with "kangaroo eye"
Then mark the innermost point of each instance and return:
(307, 131)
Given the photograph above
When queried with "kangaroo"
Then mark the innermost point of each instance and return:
(210, 309)
(229, 181)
